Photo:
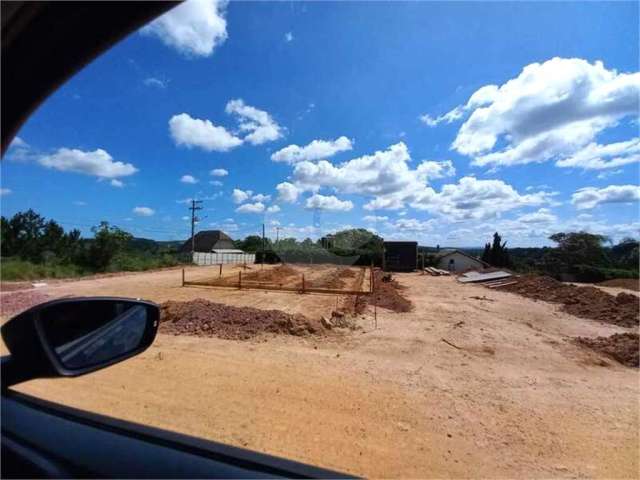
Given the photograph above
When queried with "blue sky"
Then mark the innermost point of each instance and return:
(440, 122)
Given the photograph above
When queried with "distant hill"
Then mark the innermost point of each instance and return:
(149, 245)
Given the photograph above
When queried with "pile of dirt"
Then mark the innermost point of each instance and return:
(347, 273)
(585, 302)
(16, 302)
(208, 319)
(628, 283)
(622, 347)
(386, 294)
(280, 274)
(333, 279)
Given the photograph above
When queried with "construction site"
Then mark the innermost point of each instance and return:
(413, 374)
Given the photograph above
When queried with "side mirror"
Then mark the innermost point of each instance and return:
(74, 336)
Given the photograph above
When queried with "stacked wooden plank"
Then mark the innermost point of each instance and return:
(499, 283)
(436, 272)
(477, 277)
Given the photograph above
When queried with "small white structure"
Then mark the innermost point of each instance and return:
(457, 261)
(227, 255)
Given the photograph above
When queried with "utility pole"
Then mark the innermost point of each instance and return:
(263, 245)
(195, 206)
(278, 233)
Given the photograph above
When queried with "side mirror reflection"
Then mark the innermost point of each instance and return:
(75, 336)
(85, 334)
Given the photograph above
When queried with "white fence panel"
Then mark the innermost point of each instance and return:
(206, 258)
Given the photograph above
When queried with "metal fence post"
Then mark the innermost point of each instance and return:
(240, 280)
(183, 277)
(303, 285)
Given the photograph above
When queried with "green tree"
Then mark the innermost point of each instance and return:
(625, 253)
(7, 238)
(26, 232)
(356, 238)
(579, 248)
(108, 241)
(486, 254)
(253, 243)
(496, 253)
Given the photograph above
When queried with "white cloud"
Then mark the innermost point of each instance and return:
(549, 112)
(591, 197)
(288, 37)
(471, 198)
(541, 216)
(193, 132)
(219, 172)
(433, 170)
(329, 202)
(260, 197)
(143, 211)
(194, 28)
(483, 96)
(260, 126)
(287, 192)
(375, 218)
(80, 203)
(188, 179)
(240, 196)
(316, 150)
(216, 183)
(156, 82)
(20, 151)
(411, 225)
(599, 157)
(385, 174)
(97, 163)
(609, 173)
(5, 191)
(18, 142)
(257, 207)
(116, 183)
(273, 209)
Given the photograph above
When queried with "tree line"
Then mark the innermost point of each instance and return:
(357, 246)
(29, 239)
(584, 256)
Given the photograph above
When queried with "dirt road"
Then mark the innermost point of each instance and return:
(513, 397)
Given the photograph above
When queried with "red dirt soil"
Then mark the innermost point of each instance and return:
(386, 294)
(585, 302)
(628, 283)
(279, 274)
(335, 279)
(207, 319)
(14, 303)
(622, 347)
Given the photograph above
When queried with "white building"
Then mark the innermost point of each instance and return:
(457, 261)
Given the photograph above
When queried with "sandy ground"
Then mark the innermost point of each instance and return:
(163, 285)
(516, 398)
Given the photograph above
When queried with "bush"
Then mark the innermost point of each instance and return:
(135, 262)
(591, 274)
(16, 269)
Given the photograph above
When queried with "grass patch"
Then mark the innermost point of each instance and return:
(15, 270)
